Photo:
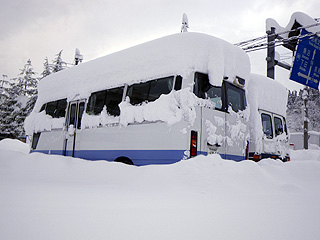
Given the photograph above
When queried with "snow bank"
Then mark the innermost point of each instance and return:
(54, 197)
(299, 17)
(171, 55)
(14, 145)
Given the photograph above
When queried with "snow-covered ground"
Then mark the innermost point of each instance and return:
(54, 197)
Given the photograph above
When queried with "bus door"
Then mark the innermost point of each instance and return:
(75, 111)
(213, 130)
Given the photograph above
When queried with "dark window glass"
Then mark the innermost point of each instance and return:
(96, 102)
(138, 93)
(203, 89)
(113, 99)
(51, 108)
(278, 127)
(236, 98)
(61, 108)
(43, 107)
(160, 86)
(80, 112)
(73, 111)
(178, 83)
(149, 91)
(201, 85)
(267, 125)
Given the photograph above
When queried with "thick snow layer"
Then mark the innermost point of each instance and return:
(38, 122)
(175, 54)
(267, 94)
(14, 145)
(54, 197)
(300, 17)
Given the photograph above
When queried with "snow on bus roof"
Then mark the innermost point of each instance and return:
(267, 94)
(175, 54)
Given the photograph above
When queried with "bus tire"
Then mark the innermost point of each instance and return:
(124, 160)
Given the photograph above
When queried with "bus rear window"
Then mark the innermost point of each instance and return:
(267, 125)
(149, 91)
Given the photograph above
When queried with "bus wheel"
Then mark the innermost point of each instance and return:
(124, 160)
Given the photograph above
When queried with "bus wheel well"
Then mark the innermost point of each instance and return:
(124, 160)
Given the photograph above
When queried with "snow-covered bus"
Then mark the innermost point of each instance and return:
(156, 103)
(268, 130)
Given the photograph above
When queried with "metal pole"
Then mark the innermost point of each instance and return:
(271, 52)
(305, 96)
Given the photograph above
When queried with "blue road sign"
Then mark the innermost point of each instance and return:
(306, 65)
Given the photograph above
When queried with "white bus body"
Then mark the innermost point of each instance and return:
(268, 131)
(155, 103)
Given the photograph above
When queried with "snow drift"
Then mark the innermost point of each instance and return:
(54, 197)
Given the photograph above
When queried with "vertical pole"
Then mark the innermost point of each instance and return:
(305, 96)
(271, 52)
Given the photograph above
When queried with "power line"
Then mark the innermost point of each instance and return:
(261, 41)
(278, 42)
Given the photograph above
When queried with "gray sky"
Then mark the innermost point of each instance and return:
(36, 29)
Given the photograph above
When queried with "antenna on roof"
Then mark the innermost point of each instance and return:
(185, 23)
(78, 57)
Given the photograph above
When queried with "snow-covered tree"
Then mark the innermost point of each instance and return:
(295, 110)
(46, 68)
(18, 102)
(58, 63)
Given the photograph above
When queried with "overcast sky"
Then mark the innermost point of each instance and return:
(36, 29)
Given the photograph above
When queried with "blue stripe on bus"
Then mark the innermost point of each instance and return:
(138, 157)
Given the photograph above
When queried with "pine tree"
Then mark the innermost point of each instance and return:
(58, 63)
(46, 68)
(18, 102)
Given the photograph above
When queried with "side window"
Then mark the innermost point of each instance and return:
(96, 102)
(267, 125)
(235, 97)
(50, 108)
(80, 112)
(178, 83)
(278, 126)
(61, 108)
(149, 91)
(160, 86)
(203, 89)
(113, 99)
(109, 98)
(214, 93)
(55, 109)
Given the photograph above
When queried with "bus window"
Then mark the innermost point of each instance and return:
(267, 125)
(201, 85)
(109, 98)
(51, 108)
(178, 83)
(214, 93)
(96, 102)
(72, 117)
(113, 99)
(203, 89)
(160, 86)
(80, 112)
(61, 108)
(149, 91)
(235, 97)
(278, 126)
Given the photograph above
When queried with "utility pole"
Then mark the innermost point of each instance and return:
(271, 52)
(305, 96)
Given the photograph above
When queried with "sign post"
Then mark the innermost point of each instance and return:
(306, 65)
